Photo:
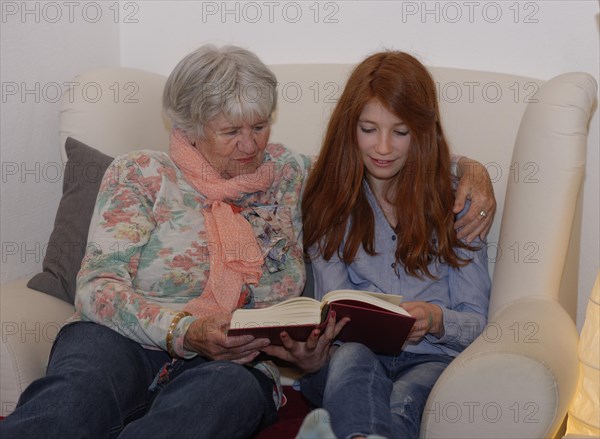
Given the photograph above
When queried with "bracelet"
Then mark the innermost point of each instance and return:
(176, 319)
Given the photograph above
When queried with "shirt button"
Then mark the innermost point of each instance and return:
(393, 237)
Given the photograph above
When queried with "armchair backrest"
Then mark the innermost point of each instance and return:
(538, 214)
(115, 110)
(484, 115)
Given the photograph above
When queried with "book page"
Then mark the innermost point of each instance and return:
(295, 311)
(390, 302)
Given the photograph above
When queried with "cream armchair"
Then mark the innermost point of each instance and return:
(517, 378)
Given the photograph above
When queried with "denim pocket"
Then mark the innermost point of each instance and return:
(165, 374)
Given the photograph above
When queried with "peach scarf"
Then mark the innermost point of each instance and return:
(235, 255)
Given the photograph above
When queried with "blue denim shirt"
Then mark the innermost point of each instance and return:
(462, 293)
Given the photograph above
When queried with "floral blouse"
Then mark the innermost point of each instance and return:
(147, 253)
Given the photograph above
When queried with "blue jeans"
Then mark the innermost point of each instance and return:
(366, 393)
(97, 386)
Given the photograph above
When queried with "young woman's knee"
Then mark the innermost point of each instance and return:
(350, 353)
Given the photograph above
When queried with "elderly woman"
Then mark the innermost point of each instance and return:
(177, 242)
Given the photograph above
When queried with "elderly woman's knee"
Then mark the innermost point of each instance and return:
(228, 378)
(93, 342)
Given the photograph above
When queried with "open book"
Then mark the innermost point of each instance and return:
(376, 320)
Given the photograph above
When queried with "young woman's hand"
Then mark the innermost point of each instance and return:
(430, 320)
(207, 337)
(312, 354)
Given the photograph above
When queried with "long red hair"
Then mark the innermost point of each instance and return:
(422, 193)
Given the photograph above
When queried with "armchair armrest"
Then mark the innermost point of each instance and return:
(29, 323)
(515, 380)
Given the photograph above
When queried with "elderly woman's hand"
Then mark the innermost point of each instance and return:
(312, 354)
(476, 185)
(207, 337)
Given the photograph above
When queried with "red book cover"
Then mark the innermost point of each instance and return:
(384, 332)
(381, 330)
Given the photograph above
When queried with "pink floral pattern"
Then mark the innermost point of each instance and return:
(147, 252)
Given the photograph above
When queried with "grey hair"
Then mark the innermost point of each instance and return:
(210, 81)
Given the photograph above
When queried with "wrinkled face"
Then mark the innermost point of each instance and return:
(384, 142)
(234, 149)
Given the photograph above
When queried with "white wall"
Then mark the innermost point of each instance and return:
(538, 39)
(44, 45)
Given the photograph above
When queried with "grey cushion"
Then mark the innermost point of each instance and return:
(83, 174)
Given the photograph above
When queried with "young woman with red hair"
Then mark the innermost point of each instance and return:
(377, 214)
